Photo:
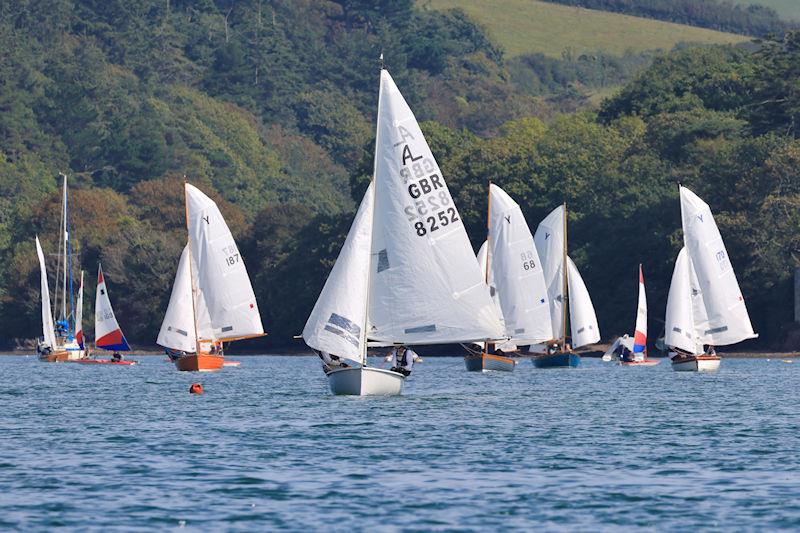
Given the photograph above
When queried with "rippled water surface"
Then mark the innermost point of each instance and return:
(267, 447)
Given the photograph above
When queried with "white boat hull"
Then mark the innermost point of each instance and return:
(367, 381)
(697, 364)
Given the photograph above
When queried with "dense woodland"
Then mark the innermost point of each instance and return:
(268, 106)
(719, 15)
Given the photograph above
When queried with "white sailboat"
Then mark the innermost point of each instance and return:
(516, 279)
(59, 342)
(705, 306)
(566, 292)
(212, 299)
(406, 273)
(633, 351)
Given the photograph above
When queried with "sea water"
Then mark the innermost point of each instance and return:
(267, 447)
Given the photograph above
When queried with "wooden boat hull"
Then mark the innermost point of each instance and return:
(199, 363)
(105, 362)
(365, 381)
(54, 357)
(646, 362)
(557, 360)
(696, 363)
(484, 362)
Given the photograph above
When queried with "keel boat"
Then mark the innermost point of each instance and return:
(212, 300)
(705, 307)
(406, 273)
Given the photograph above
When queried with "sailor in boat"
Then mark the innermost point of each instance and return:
(402, 359)
(710, 350)
(678, 354)
(330, 362)
(117, 357)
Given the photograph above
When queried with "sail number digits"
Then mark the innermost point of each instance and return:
(527, 260)
(231, 254)
(432, 207)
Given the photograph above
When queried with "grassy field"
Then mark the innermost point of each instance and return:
(527, 26)
(788, 9)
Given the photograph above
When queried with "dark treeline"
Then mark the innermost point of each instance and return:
(713, 14)
(268, 106)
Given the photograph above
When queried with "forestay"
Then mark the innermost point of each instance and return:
(679, 323)
(336, 324)
(222, 276)
(728, 321)
(107, 332)
(425, 283)
(549, 240)
(516, 272)
(582, 318)
(48, 330)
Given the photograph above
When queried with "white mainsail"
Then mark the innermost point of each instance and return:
(48, 330)
(679, 323)
(582, 318)
(336, 324)
(549, 239)
(222, 276)
(726, 313)
(516, 272)
(425, 282)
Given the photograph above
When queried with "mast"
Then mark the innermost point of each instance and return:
(64, 242)
(565, 287)
(488, 243)
(372, 221)
(191, 270)
(68, 262)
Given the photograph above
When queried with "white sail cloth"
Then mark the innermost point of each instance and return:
(549, 240)
(582, 318)
(425, 283)
(679, 324)
(516, 272)
(178, 328)
(336, 324)
(221, 274)
(48, 329)
(79, 316)
(725, 310)
(106, 327)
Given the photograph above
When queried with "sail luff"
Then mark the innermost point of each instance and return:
(178, 327)
(79, 337)
(191, 269)
(566, 284)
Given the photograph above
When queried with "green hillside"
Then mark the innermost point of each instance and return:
(526, 26)
(788, 9)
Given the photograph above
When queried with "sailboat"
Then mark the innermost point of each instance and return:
(639, 351)
(406, 273)
(58, 341)
(212, 300)
(566, 291)
(107, 332)
(516, 280)
(705, 306)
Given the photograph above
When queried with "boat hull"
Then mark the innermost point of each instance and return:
(105, 362)
(367, 381)
(696, 363)
(199, 363)
(557, 360)
(60, 356)
(646, 362)
(484, 362)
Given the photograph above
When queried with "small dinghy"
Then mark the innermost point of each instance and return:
(705, 307)
(637, 354)
(567, 293)
(406, 274)
(212, 300)
(513, 272)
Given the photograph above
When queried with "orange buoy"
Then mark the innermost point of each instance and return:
(195, 388)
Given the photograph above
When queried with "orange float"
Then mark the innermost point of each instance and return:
(195, 388)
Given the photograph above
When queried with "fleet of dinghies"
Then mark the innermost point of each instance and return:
(406, 275)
